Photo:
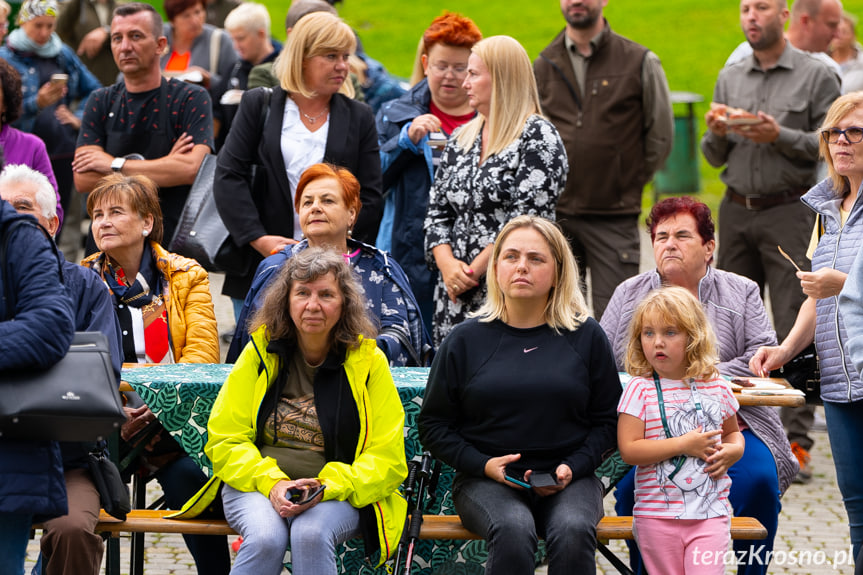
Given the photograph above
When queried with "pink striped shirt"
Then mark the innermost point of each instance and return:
(691, 494)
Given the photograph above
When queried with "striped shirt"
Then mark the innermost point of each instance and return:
(691, 493)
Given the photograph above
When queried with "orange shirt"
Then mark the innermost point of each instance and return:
(178, 62)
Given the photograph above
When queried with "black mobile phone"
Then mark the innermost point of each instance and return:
(296, 494)
(543, 479)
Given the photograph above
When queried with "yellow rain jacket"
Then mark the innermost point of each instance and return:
(379, 464)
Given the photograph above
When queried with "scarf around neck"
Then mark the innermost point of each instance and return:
(135, 292)
(21, 42)
(143, 292)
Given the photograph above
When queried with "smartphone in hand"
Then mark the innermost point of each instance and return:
(296, 494)
(543, 479)
(437, 140)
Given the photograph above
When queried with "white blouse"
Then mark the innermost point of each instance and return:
(301, 148)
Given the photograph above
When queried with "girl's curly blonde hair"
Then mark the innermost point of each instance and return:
(675, 306)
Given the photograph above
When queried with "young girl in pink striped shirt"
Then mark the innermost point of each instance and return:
(677, 423)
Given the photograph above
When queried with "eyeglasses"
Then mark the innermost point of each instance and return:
(854, 135)
(441, 68)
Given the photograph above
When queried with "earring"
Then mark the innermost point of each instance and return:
(350, 232)
(145, 233)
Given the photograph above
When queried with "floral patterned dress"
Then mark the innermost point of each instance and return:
(470, 202)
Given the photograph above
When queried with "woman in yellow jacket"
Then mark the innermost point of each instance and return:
(307, 431)
(162, 301)
(177, 322)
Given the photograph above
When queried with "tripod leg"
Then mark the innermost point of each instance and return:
(410, 483)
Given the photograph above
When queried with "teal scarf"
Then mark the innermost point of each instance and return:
(21, 42)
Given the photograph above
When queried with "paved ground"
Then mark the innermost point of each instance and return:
(813, 526)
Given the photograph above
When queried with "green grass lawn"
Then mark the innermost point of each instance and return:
(693, 38)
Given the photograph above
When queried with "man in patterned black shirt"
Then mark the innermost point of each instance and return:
(167, 122)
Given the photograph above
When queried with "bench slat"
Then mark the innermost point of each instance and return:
(609, 527)
(434, 526)
(153, 521)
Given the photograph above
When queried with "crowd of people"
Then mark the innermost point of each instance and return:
(455, 222)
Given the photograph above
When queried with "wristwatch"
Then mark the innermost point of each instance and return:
(117, 163)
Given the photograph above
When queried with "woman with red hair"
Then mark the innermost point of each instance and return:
(409, 129)
(328, 202)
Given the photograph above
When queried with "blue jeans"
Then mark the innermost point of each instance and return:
(312, 535)
(180, 480)
(14, 534)
(754, 493)
(237, 305)
(845, 429)
(511, 521)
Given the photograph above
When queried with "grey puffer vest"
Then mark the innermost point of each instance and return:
(840, 382)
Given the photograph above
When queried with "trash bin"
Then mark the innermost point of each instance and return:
(681, 174)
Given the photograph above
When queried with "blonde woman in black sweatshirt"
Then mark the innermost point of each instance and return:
(525, 392)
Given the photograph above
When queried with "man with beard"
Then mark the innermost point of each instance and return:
(770, 159)
(813, 25)
(609, 100)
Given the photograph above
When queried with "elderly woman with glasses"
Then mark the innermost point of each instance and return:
(835, 242)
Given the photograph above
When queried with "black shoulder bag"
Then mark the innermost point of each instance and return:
(201, 234)
(803, 373)
(76, 399)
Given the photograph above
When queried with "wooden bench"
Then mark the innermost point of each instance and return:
(438, 527)
(433, 527)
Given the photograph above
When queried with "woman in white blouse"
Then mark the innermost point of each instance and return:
(309, 118)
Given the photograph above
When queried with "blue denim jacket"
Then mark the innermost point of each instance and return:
(81, 81)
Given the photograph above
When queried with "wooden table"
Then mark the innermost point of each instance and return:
(772, 400)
